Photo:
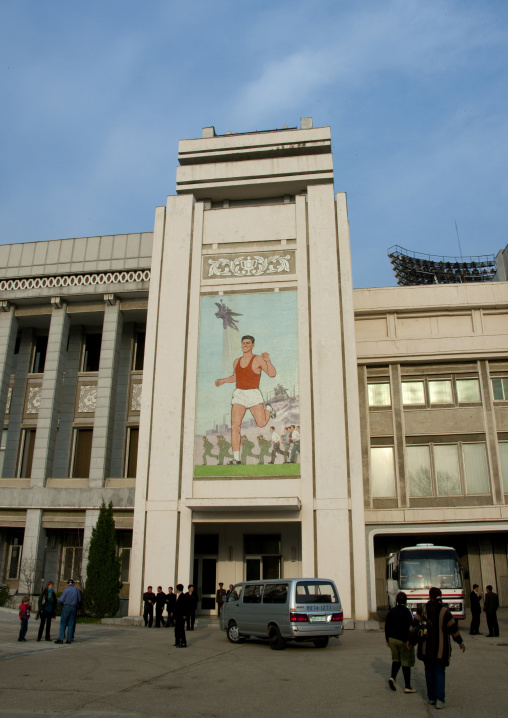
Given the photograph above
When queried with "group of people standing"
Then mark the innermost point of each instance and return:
(490, 606)
(70, 603)
(180, 608)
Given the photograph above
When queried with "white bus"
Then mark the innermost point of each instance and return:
(415, 569)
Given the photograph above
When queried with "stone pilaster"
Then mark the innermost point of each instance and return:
(17, 405)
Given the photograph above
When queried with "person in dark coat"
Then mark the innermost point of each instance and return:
(435, 650)
(170, 602)
(490, 606)
(476, 610)
(180, 613)
(160, 602)
(149, 599)
(47, 609)
(192, 598)
(398, 622)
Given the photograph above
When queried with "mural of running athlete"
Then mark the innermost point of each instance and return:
(246, 375)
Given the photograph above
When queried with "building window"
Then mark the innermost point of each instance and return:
(27, 453)
(503, 455)
(468, 390)
(139, 352)
(500, 389)
(72, 556)
(39, 354)
(448, 470)
(15, 550)
(82, 453)
(3, 441)
(413, 392)
(132, 451)
(124, 545)
(379, 395)
(91, 352)
(440, 391)
(382, 472)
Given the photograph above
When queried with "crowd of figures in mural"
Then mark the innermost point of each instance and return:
(271, 449)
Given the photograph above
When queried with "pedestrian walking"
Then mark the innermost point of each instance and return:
(490, 606)
(24, 616)
(398, 622)
(149, 601)
(46, 610)
(435, 649)
(70, 600)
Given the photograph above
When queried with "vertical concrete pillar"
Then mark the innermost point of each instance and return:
(11, 457)
(8, 330)
(353, 426)
(106, 393)
(118, 444)
(33, 556)
(62, 462)
(51, 393)
(328, 405)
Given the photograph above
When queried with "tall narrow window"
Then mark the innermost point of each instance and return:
(82, 453)
(418, 463)
(446, 462)
(132, 451)
(476, 469)
(39, 357)
(92, 352)
(382, 472)
(503, 455)
(139, 352)
(15, 542)
(27, 453)
(500, 389)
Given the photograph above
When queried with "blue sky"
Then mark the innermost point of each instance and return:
(96, 95)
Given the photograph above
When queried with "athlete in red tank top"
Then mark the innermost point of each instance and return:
(247, 379)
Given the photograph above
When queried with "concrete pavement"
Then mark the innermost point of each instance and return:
(132, 671)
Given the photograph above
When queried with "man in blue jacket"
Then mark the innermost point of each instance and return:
(70, 601)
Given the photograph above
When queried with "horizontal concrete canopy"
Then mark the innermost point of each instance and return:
(247, 504)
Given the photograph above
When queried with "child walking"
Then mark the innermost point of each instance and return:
(24, 615)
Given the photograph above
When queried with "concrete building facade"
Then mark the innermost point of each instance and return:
(402, 392)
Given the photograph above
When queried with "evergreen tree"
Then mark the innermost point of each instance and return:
(100, 597)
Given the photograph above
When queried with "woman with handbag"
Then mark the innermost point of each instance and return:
(434, 647)
(398, 623)
(47, 609)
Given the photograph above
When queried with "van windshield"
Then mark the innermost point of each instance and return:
(316, 592)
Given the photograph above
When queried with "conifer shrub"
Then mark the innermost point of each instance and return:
(100, 596)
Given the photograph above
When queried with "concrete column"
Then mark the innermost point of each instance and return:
(328, 404)
(51, 393)
(17, 405)
(117, 464)
(359, 553)
(106, 393)
(62, 460)
(8, 331)
(33, 556)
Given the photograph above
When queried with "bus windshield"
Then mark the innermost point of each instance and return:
(424, 568)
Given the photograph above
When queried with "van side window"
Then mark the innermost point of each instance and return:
(275, 593)
(252, 594)
(236, 594)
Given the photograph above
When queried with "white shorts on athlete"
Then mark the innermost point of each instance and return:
(247, 397)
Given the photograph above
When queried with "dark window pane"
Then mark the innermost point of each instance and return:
(252, 594)
(206, 543)
(209, 575)
(132, 459)
(39, 361)
(14, 562)
(28, 454)
(139, 357)
(271, 567)
(82, 454)
(275, 593)
(92, 352)
(253, 569)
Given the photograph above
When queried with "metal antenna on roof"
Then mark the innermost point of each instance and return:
(458, 240)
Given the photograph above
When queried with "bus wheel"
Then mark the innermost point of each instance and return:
(277, 643)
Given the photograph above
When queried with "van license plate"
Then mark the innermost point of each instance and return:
(316, 619)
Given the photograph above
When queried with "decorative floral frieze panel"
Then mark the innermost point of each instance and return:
(34, 400)
(252, 264)
(87, 399)
(136, 397)
(8, 402)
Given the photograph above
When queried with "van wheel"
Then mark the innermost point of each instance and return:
(234, 634)
(321, 642)
(277, 643)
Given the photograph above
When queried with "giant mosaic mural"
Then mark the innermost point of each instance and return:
(248, 407)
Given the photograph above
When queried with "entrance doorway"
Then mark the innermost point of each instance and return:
(205, 577)
(259, 568)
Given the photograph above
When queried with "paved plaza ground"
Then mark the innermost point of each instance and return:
(132, 671)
